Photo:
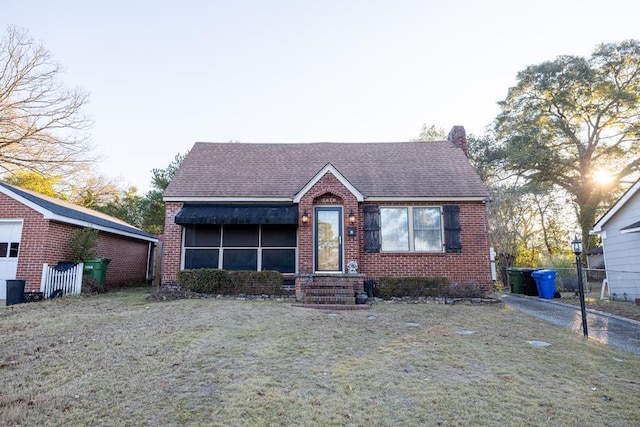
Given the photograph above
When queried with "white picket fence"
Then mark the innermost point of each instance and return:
(57, 283)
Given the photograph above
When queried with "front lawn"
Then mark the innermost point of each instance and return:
(120, 359)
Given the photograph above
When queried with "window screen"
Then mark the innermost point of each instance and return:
(202, 235)
(240, 247)
(282, 260)
(240, 259)
(201, 258)
(240, 236)
(278, 236)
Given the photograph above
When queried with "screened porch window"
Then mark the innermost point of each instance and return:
(241, 247)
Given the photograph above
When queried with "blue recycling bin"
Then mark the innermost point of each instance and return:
(545, 282)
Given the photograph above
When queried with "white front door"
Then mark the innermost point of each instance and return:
(10, 233)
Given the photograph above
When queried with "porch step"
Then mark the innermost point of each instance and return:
(322, 291)
(335, 306)
(329, 294)
(329, 299)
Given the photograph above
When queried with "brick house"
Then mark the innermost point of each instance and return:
(314, 211)
(35, 229)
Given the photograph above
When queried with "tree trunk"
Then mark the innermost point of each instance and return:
(587, 209)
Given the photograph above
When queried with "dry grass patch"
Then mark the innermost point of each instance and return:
(627, 309)
(119, 359)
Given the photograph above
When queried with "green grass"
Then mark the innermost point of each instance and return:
(118, 359)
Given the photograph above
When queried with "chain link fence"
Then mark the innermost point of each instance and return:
(614, 284)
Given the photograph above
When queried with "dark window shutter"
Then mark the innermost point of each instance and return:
(453, 242)
(371, 228)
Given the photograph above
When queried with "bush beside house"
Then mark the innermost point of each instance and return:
(215, 281)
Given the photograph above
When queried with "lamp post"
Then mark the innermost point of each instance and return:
(576, 246)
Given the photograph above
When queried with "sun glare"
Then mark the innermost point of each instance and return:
(602, 176)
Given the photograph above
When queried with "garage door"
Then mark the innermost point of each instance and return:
(10, 232)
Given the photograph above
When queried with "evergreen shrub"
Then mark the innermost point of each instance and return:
(215, 281)
(411, 286)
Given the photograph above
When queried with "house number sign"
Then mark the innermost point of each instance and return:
(327, 200)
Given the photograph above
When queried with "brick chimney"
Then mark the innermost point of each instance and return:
(458, 137)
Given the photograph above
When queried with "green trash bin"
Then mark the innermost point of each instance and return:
(515, 280)
(97, 268)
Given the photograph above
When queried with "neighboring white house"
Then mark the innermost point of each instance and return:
(619, 229)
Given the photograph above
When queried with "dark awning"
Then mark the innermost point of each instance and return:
(237, 214)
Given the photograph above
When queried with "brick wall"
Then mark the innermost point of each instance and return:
(33, 250)
(471, 265)
(326, 186)
(172, 246)
(128, 258)
(45, 241)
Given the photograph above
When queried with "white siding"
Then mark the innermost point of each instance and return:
(622, 251)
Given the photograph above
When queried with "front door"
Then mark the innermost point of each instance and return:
(10, 233)
(328, 239)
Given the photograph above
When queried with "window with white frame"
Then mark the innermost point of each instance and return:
(411, 229)
(241, 247)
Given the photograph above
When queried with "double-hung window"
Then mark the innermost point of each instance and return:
(411, 229)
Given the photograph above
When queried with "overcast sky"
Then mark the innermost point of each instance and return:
(165, 74)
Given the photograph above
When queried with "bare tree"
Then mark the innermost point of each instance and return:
(89, 189)
(42, 125)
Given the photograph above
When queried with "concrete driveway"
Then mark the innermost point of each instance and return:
(608, 329)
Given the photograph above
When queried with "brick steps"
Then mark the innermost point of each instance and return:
(319, 291)
(328, 290)
(324, 294)
(316, 299)
(335, 306)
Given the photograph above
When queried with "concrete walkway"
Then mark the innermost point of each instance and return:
(608, 329)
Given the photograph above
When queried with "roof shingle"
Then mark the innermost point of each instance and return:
(401, 169)
(76, 212)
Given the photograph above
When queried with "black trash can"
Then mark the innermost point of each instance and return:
(369, 287)
(64, 266)
(15, 291)
(530, 286)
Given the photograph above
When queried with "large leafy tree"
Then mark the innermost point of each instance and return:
(153, 205)
(527, 222)
(42, 124)
(567, 119)
(431, 133)
(127, 206)
(82, 188)
(33, 181)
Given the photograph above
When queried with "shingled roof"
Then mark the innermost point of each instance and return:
(66, 212)
(437, 169)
